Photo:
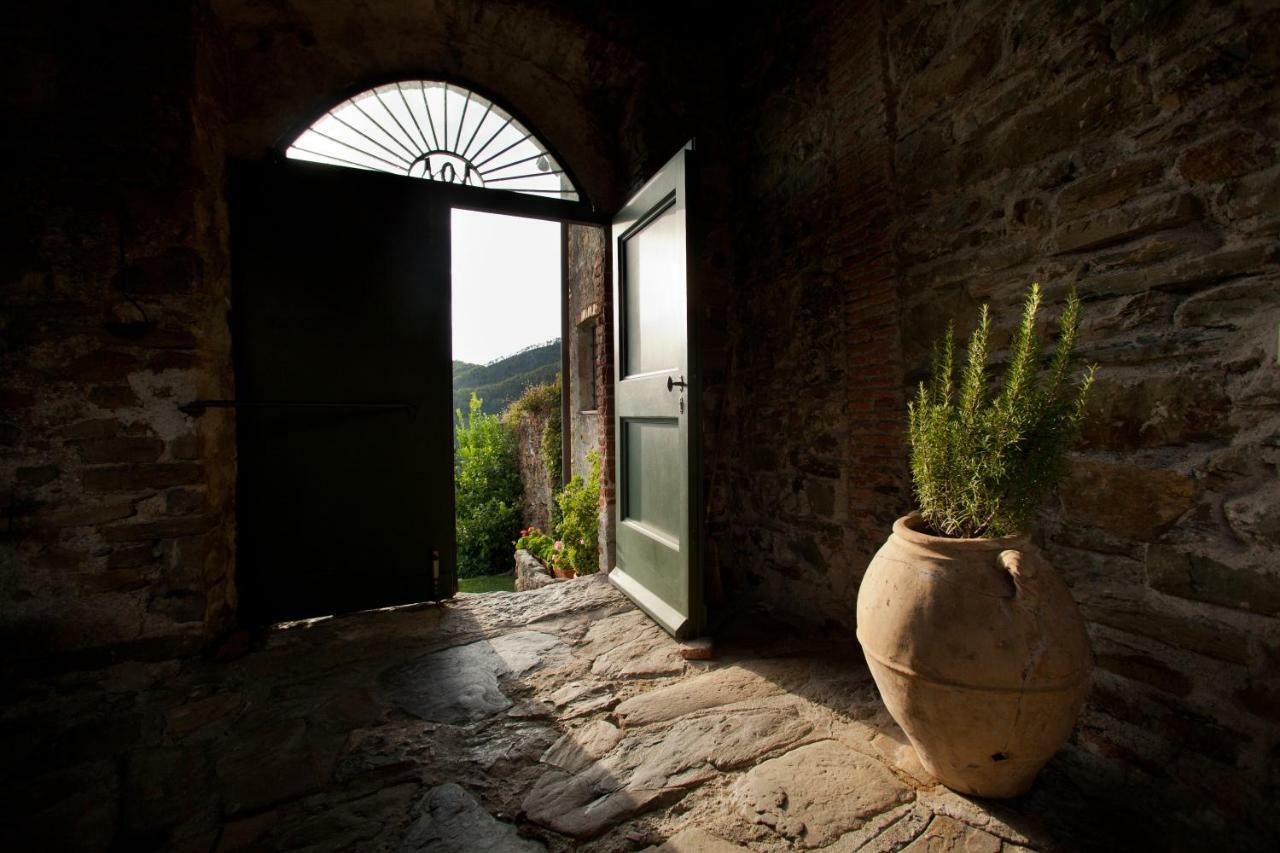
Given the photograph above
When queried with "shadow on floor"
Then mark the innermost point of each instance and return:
(559, 718)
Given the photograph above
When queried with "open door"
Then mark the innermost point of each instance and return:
(341, 328)
(656, 404)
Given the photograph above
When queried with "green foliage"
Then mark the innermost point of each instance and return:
(579, 527)
(551, 445)
(488, 583)
(486, 490)
(984, 459)
(538, 399)
(539, 544)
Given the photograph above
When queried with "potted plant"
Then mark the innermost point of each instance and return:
(560, 562)
(540, 545)
(547, 550)
(975, 643)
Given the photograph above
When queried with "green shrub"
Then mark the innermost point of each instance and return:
(487, 491)
(579, 527)
(983, 462)
(551, 445)
(539, 544)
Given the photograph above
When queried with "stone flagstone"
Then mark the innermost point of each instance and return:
(381, 731)
(695, 840)
(655, 768)
(452, 822)
(631, 645)
(735, 683)
(945, 835)
(818, 792)
(577, 748)
(460, 684)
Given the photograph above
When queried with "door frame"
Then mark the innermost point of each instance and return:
(484, 200)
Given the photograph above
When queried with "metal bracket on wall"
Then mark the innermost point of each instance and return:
(198, 407)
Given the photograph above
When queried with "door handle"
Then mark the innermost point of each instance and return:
(671, 383)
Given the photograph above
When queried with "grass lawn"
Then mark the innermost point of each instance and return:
(488, 583)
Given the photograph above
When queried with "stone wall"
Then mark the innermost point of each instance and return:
(590, 383)
(117, 527)
(920, 159)
(535, 502)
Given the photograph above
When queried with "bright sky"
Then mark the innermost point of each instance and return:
(506, 284)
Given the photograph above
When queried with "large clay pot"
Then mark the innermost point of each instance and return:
(979, 652)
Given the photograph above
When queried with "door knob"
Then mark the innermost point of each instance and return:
(671, 383)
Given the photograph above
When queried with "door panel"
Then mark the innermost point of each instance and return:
(341, 319)
(650, 445)
(655, 399)
(655, 309)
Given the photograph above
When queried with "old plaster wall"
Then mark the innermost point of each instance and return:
(116, 507)
(1127, 149)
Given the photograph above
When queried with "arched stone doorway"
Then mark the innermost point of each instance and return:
(341, 293)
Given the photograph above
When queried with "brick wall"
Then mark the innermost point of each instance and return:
(919, 161)
(807, 465)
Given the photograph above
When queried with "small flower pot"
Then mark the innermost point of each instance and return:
(565, 573)
(979, 653)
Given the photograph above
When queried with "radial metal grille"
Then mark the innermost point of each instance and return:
(438, 132)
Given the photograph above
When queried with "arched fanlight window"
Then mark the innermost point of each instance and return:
(436, 131)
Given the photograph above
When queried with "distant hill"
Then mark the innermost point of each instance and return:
(500, 382)
(461, 367)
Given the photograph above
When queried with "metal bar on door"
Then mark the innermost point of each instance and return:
(198, 407)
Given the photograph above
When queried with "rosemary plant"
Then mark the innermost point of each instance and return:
(984, 458)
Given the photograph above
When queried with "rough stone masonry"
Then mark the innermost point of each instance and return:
(920, 159)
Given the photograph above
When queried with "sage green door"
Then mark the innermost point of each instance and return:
(655, 404)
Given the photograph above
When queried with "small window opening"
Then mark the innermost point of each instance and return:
(586, 362)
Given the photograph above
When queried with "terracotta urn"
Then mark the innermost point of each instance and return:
(979, 653)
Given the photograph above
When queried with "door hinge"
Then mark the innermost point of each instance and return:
(435, 573)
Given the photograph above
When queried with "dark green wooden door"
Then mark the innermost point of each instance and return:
(341, 319)
(656, 387)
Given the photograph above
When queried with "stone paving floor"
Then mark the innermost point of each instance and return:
(557, 719)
